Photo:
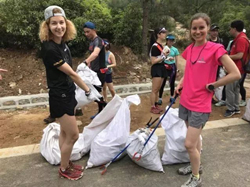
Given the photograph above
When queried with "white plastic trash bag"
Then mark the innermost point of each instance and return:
(113, 138)
(49, 146)
(99, 123)
(90, 78)
(176, 130)
(150, 156)
(246, 115)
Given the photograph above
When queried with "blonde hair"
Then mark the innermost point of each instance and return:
(204, 16)
(45, 34)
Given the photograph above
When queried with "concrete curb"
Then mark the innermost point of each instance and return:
(35, 148)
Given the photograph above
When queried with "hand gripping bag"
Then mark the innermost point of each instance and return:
(113, 138)
(49, 146)
(90, 78)
(99, 123)
(150, 156)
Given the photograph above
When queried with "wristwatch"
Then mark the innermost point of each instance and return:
(211, 87)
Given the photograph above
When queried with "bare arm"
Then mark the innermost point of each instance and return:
(237, 56)
(65, 68)
(93, 55)
(113, 61)
(232, 70)
(2, 70)
(155, 60)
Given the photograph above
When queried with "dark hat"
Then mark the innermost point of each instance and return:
(89, 25)
(214, 27)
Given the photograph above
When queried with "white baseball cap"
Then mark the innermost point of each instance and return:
(48, 13)
(244, 30)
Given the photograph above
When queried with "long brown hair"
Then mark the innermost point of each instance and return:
(45, 34)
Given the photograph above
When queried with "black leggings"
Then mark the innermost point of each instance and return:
(242, 89)
(172, 75)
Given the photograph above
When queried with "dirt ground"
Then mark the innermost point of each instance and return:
(26, 75)
(24, 127)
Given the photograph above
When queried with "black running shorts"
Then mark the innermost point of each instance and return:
(158, 70)
(63, 104)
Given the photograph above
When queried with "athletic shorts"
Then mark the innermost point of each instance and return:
(109, 78)
(63, 104)
(158, 70)
(194, 119)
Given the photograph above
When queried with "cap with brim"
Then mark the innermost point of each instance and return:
(162, 30)
(214, 27)
(48, 13)
(89, 25)
(170, 37)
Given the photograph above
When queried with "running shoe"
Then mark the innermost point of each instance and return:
(192, 182)
(159, 102)
(221, 103)
(70, 174)
(229, 113)
(49, 119)
(188, 170)
(158, 108)
(154, 110)
(76, 166)
(243, 103)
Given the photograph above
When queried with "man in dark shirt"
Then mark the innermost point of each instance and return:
(220, 92)
(96, 60)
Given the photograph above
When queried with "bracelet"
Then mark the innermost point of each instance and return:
(88, 93)
(85, 62)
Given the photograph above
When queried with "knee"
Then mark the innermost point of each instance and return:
(189, 145)
(74, 137)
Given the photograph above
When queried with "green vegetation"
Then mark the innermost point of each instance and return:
(121, 21)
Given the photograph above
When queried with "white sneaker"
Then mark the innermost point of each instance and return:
(221, 103)
(243, 103)
(192, 182)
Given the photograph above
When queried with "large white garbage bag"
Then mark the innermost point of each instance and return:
(49, 146)
(246, 115)
(99, 123)
(150, 156)
(176, 130)
(113, 138)
(90, 78)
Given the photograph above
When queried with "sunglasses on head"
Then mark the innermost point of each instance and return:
(162, 30)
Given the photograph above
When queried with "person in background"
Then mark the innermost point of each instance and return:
(171, 64)
(96, 60)
(110, 63)
(158, 70)
(197, 86)
(53, 33)
(238, 53)
(2, 71)
(220, 93)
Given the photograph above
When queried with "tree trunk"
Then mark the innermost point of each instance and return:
(145, 8)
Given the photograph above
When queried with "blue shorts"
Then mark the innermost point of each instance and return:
(109, 78)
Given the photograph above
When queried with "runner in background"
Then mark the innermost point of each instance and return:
(96, 61)
(202, 60)
(110, 63)
(158, 70)
(171, 68)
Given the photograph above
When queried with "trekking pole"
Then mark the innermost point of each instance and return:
(140, 150)
(119, 154)
(110, 162)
